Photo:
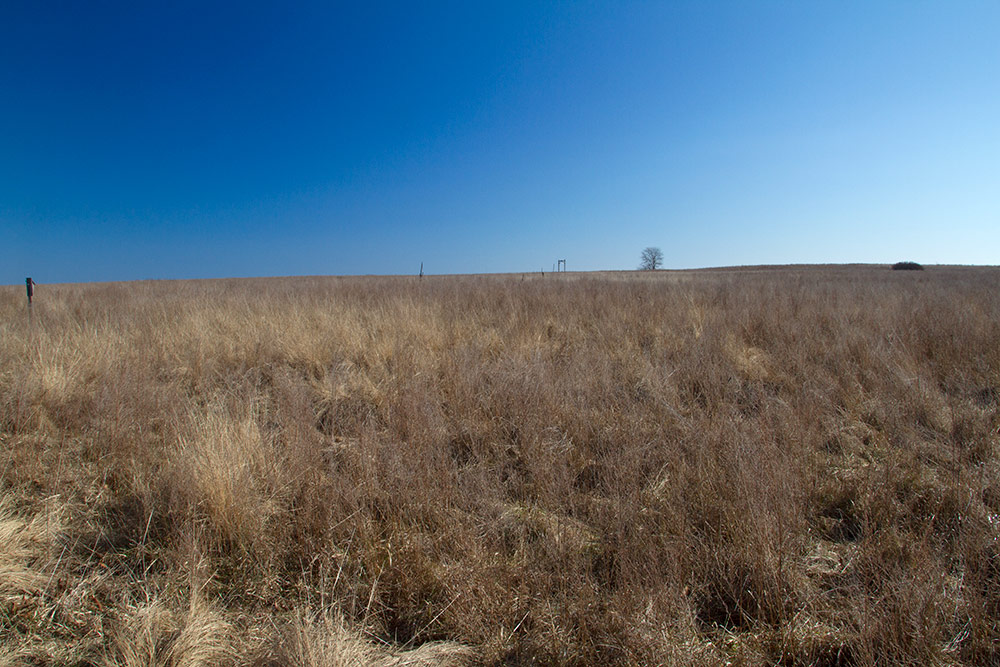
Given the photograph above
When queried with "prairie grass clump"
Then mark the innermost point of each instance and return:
(782, 466)
(151, 635)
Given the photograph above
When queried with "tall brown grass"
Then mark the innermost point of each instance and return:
(792, 467)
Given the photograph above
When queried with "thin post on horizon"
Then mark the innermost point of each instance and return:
(29, 285)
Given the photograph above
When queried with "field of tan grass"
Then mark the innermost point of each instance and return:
(789, 466)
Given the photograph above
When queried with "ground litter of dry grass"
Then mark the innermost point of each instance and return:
(786, 466)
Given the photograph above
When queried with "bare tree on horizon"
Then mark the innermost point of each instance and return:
(652, 259)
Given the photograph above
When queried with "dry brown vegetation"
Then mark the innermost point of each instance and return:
(793, 467)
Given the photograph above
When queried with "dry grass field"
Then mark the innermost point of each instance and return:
(790, 466)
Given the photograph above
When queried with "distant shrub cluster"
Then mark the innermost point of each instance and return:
(907, 266)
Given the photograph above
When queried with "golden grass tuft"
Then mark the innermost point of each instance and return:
(326, 641)
(24, 546)
(151, 635)
(225, 469)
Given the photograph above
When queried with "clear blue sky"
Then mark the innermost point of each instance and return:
(193, 139)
